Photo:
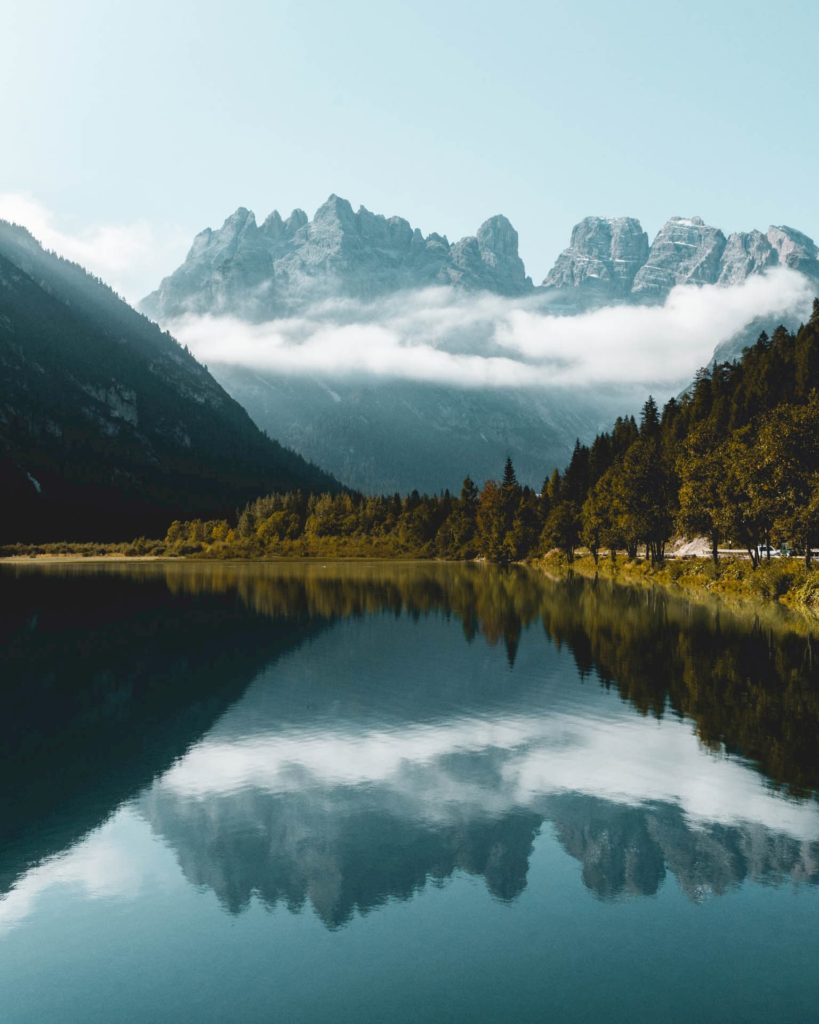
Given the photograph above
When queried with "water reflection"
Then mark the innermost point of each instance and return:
(323, 735)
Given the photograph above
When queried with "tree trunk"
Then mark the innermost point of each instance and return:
(808, 553)
(714, 548)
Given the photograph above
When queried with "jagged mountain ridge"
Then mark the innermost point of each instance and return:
(609, 260)
(277, 268)
(108, 427)
(281, 267)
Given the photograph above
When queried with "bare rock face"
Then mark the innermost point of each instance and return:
(794, 249)
(609, 261)
(280, 268)
(489, 261)
(685, 251)
(603, 257)
(745, 253)
(222, 265)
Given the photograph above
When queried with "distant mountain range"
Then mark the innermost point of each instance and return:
(609, 260)
(385, 435)
(282, 267)
(108, 427)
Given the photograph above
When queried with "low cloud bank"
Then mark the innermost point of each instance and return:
(442, 336)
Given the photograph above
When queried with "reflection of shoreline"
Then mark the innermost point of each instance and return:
(348, 820)
(47, 559)
(112, 673)
(732, 589)
(735, 596)
(105, 684)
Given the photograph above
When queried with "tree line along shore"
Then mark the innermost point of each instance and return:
(735, 459)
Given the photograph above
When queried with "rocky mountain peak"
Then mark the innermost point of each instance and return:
(334, 209)
(273, 225)
(240, 221)
(489, 260)
(794, 249)
(685, 251)
(296, 221)
(496, 235)
(280, 231)
(603, 258)
(745, 253)
(281, 267)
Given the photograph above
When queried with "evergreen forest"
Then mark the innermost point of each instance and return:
(734, 459)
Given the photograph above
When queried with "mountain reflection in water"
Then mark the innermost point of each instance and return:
(341, 735)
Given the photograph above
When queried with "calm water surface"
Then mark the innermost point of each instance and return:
(371, 793)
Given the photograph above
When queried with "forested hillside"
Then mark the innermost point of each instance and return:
(736, 459)
(108, 427)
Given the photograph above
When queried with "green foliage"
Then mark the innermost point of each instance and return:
(736, 459)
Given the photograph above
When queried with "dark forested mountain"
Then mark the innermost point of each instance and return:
(108, 428)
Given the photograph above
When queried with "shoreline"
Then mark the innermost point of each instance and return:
(780, 584)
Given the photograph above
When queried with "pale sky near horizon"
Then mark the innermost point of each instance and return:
(136, 124)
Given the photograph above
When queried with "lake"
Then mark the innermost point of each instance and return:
(401, 792)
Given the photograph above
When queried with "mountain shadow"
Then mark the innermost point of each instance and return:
(108, 428)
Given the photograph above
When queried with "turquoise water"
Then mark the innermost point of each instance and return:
(400, 792)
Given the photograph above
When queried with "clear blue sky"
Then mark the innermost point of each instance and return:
(176, 112)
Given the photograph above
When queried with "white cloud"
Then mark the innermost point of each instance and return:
(117, 861)
(623, 759)
(126, 256)
(439, 335)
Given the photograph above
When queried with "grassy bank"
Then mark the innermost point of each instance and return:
(784, 581)
(779, 581)
(385, 548)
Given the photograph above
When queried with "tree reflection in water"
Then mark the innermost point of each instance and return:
(161, 679)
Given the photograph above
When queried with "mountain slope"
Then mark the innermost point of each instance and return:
(382, 436)
(108, 427)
